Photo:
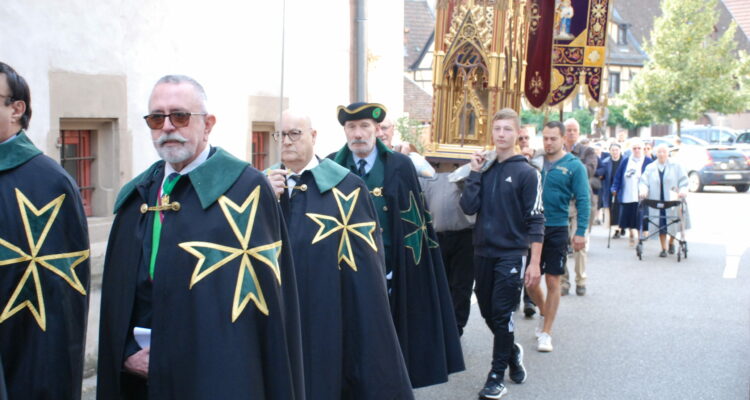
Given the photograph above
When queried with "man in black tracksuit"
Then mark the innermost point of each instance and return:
(507, 198)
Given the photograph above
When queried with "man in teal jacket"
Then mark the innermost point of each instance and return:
(563, 178)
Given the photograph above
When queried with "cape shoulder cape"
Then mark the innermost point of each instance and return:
(351, 350)
(44, 275)
(421, 305)
(224, 308)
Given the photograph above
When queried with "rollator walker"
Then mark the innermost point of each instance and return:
(649, 222)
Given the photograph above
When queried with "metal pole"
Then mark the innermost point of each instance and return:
(361, 20)
(281, 90)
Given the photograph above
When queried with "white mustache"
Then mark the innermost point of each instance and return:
(359, 142)
(170, 136)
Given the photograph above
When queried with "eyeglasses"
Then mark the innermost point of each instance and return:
(179, 119)
(523, 138)
(292, 134)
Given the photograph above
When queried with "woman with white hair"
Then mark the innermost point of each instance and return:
(625, 188)
(664, 181)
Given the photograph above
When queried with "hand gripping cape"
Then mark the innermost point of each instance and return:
(44, 275)
(351, 350)
(421, 305)
(224, 311)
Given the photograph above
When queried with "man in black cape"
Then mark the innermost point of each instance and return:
(198, 256)
(44, 261)
(350, 346)
(418, 291)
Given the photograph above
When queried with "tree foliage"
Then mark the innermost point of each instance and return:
(411, 132)
(537, 118)
(689, 71)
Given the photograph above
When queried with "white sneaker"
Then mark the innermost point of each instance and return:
(544, 342)
(539, 328)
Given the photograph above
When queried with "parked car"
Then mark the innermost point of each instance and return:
(688, 139)
(743, 142)
(712, 134)
(714, 165)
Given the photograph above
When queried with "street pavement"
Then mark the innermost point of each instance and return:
(651, 329)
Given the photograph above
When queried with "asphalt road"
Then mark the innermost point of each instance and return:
(651, 329)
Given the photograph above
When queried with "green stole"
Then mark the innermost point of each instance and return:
(156, 233)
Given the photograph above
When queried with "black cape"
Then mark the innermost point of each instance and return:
(421, 304)
(44, 275)
(351, 350)
(224, 311)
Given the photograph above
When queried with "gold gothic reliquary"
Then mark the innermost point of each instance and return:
(479, 59)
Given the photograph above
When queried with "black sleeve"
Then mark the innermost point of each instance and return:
(533, 211)
(471, 199)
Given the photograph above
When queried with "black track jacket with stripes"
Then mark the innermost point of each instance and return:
(507, 199)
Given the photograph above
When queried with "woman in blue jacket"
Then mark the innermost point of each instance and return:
(606, 172)
(625, 188)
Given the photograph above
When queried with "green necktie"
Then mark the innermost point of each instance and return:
(156, 234)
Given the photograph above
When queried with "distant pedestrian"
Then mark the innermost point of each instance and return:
(605, 172)
(625, 189)
(664, 181)
(587, 155)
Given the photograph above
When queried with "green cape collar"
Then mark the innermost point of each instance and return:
(327, 174)
(342, 156)
(210, 180)
(17, 152)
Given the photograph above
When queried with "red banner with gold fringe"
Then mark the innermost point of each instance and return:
(579, 48)
(539, 53)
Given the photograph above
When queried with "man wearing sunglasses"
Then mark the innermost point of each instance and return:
(418, 288)
(199, 298)
(44, 260)
(349, 343)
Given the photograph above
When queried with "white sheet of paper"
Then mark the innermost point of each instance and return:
(142, 336)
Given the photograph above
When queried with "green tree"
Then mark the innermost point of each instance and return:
(689, 71)
(411, 132)
(533, 117)
(617, 118)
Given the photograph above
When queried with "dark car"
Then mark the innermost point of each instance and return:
(714, 165)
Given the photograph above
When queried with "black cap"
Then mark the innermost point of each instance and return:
(357, 111)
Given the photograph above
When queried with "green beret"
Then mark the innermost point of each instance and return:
(357, 111)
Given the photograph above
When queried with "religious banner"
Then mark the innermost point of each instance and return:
(579, 48)
(538, 59)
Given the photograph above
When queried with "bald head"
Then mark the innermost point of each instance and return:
(297, 140)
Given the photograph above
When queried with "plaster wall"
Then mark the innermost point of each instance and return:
(233, 48)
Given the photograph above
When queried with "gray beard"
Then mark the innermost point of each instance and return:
(175, 155)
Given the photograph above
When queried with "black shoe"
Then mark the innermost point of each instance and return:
(516, 370)
(494, 388)
(580, 290)
(529, 310)
(671, 249)
(616, 235)
(663, 254)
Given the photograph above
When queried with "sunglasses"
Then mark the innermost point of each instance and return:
(179, 119)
